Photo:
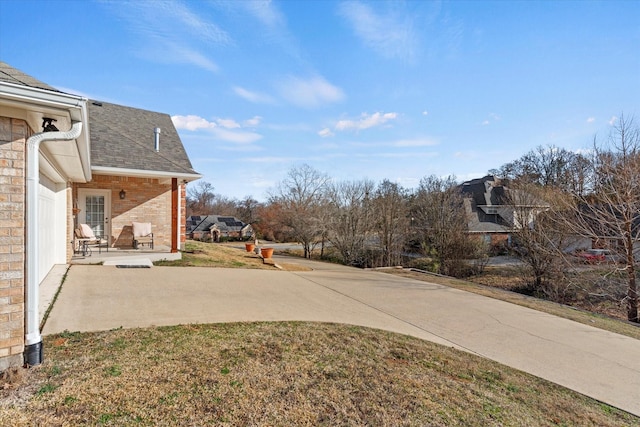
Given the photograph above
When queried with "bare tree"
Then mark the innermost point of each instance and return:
(200, 198)
(439, 217)
(610, 213)
(349, 218)
(301, 198)
(549, 166)
(391, 222)
(539, 239)
(247, 210)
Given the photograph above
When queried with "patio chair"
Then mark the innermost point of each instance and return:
(142, 234)
(86, 239)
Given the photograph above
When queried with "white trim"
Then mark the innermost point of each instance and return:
(36, 99)
(140, 173)
(27, 94)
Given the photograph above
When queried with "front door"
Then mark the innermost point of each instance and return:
(95, 210)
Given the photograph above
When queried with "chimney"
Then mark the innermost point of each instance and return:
(156, 131)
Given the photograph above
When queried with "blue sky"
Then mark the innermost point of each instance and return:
(377, 90)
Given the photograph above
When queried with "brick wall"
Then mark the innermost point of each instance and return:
(146, 200)
(13, 136)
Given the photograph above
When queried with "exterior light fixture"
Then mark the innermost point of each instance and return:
(123, 194)
(47, 126)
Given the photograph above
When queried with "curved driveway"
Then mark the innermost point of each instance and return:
(597, 363)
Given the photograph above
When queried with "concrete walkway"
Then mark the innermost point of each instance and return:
(597, 363)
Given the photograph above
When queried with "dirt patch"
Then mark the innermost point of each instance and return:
(293, 267)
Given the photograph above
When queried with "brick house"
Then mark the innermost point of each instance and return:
(62, 156)
(495, 212)
(488, 214)
(217, 226)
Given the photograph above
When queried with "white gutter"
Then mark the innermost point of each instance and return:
(33, 354)
(141, 173)
(36, 99)
(36, 96)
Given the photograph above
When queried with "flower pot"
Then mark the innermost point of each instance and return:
(266, 252)
(249, 247)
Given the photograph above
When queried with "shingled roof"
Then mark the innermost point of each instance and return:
(12, 75)
(123, 137)
(485, 204)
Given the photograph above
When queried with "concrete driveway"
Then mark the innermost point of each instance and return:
(597, 363)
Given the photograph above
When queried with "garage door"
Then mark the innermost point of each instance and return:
(51, 226)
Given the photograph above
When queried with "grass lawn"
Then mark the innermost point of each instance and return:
(200, 254)
(282, 374)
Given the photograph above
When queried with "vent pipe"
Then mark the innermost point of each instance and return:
(156, 131)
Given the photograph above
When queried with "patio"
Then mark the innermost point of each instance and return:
(126, 256)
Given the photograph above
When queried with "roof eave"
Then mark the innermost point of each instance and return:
(42, 101)
(141, 173)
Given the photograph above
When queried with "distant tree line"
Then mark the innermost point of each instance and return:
(557, 197)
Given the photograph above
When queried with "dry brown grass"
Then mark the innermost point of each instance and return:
(283, 374)
(201, 254)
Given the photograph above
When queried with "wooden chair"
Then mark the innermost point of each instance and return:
(142, 234)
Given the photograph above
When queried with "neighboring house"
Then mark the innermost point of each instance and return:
(65, 160)
(492, 215)
(217, 226)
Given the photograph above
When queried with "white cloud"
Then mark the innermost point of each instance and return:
(366, 121)
(223, 129)
(265, 12)
(613, 120)
(309, 93)
(425, 113)
(228, 123)
(176, 11)
(326, 132)
(255, 97)
(591, 119)
(390, 33)
(169, 31)
(183, 54)
(485, 123)
(191, 122)
(252, 122)
(235, 136)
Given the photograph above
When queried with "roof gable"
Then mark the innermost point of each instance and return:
(123, 137)
(205, 222)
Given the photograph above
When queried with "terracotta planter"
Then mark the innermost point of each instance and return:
(266, 252)
(249, 247)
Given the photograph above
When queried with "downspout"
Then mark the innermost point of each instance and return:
(33, 353)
